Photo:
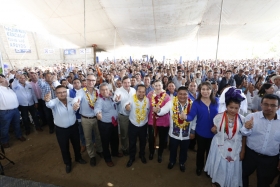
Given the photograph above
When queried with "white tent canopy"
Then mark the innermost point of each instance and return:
(191, 25)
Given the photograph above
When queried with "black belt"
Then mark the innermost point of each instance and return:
(67, 127)
(94, 117)
(123, 115)
(261, 155)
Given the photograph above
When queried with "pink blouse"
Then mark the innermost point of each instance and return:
(162, 121)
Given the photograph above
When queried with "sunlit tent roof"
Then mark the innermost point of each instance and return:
(157, 23)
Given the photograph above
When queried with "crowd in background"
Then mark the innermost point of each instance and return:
(254, 78)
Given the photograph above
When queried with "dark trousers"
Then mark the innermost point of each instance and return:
(174, 143)
(203, 146)
(266, 167)
(63, 136)
(133, 133)
(7, 118)
(25, 117)
(109, 137)
(162, 133)
(49, 116)
(192, 143)
(40, 108)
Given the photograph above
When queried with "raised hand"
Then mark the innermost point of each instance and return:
(156, 109)
(249, 124)
(183, 116)
(76, 105)
(127, 107)
(99, 116)
(118, 98)
(48, 97)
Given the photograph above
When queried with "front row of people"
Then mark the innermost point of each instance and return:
(228, 147)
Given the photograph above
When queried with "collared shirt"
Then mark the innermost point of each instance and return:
(264, 137)
(46, 88)
(178, 83)
(276, 88)
(168, 108)
(25, 94)
(191, 96)
(149, 89)
(107, 107)
(133, 107)
(124, 98)
(64, 117)
(8, 98)
(85, 109)
(37, 89)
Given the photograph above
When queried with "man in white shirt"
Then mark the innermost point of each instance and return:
(9, 113)
(137, 123)
(27, 102)
(123, 94)
(180, 131)
(66, 125)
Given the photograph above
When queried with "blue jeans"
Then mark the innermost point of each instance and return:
(82, 136)
(7, 118)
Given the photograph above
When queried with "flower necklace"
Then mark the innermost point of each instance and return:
(90, 102)
(182, 124)
(226, 129)
(156, 101)
(140, 112)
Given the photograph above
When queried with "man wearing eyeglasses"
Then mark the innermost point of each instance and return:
(263, 141)
(85, 100)
(66, 125)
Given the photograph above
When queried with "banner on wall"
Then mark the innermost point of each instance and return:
(88, 51)
(48, 51)
(70, 51)
(17, 38)
(1, 65)
(23, 50)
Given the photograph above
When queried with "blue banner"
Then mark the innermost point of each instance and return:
(70, 51)
(163, 58)
(23, 50)
(97, 59)
(180, 60)
(130, 60)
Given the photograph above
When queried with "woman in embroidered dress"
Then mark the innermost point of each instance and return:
(157, 124)
(228, 147)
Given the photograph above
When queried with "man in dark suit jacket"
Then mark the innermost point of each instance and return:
(227, 80)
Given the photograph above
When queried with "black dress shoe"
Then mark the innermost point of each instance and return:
(100, 154)
(129, 163)
(151, 156)
(143, 159)
(182, 167)
(68, 168)
(198, 172)
(170, 165)
(81, 161)
(159, 159)
(93, 161)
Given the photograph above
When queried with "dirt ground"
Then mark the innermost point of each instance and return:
(39, 159)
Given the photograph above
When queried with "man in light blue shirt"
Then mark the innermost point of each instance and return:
(87, 97)
(263, 141)
(27, 102)
(66, 125)
(106, 112)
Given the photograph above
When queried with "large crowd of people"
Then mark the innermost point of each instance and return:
(226, 111)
